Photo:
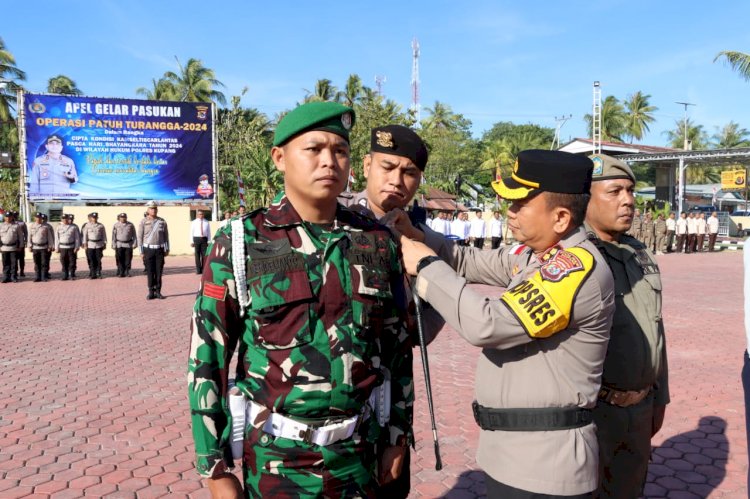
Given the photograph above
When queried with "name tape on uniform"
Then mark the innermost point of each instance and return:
(543, 303)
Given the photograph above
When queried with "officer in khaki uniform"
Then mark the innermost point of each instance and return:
(11, 239)
(660, 229)
(67, 243)
(94, 240)
(635, 228)
(635, 388)
(123, 242)
(41, 243)
(648, 231)
(543, 342)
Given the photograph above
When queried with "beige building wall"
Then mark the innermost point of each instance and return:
(177, 217)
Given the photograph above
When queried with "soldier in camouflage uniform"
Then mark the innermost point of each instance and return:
(635, 388)
(312, 296)
(41, 244)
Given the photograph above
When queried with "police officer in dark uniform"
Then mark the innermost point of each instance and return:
(94, 240)
(21, 253)
(123, 242)
(41, 243)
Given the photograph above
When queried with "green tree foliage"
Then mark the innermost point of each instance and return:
(614, 120)
(162, 89)
(63, 85)
(695, 133)
(501, 144)
(10, 78)
(731, 136)
(352, 91)
(196, 83)
(738, 61)
(639, 115)
(324, 91)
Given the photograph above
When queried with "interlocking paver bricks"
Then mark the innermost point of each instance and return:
(110, 402)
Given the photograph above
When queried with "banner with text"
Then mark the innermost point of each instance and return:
(87, 148)
(732, 180)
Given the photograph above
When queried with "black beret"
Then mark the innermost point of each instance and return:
(539, 170)
(400, 141)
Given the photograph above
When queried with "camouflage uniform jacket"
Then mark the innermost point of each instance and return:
(323, 311)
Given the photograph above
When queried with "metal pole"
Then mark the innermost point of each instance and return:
(427, 382)
(24, 207)
(681, 187)
(214, 147)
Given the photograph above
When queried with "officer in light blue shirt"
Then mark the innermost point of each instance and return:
(53, 172)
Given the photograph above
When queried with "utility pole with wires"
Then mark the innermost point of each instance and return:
(379, 81)
(415, 80)
(559, 123)
(684, 125)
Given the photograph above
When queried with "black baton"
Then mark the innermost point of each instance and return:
(426, 368)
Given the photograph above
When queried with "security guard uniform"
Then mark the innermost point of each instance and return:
(317, 312)
(94, 240)
(543, 342)
(11, 238)
(123, 241)
(41, 243)
(67, 243)
(635, 379)
(660, 228)
(635, 228)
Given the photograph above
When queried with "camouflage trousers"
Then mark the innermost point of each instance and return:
(285, 469)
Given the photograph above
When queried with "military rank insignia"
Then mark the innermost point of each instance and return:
(543, 304)
(215, 291)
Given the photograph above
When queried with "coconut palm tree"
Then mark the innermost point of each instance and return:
(695, 134)
(731, 136)
(196, 83)
(63, 85)
(10, 75)
(614, 122)
(639, 114)
(324, 91)
(440, 116)
(161, 89)
(501, 154)
(738, 61)
(352, 91)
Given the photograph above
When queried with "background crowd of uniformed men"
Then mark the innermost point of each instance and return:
(67, 239)
(692, 232)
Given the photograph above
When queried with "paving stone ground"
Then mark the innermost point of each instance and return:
(92, 389)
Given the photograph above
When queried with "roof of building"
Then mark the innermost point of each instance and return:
(580, 145)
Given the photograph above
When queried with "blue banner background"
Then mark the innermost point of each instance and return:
(119, 151)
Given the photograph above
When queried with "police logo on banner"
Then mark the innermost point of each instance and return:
(201, 112)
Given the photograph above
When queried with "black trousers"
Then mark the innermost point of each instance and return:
(94, 256)
(10, 265)
(68, 260)
(498, 490)
(746, 390)
(479, 242)
(41, 262)
(201, 245)
(496, 242)
(21, 260)
(124, 258)
(154, 260)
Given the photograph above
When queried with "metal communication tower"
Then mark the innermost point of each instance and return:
(415, 79)
(559, 122)
(379, 80)
(596, 120)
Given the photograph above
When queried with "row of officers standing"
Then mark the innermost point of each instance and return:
(67, 239)
(686, 233)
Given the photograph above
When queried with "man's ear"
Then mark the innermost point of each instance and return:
(279, 159)
(563, 220)
(366, 162)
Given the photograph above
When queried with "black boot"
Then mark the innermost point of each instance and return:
(158, 295)
(38, 278)
(65, 276)
(151, 294)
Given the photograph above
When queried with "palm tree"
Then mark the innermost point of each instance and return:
(639, 115)
(352, 91)
(324, 91)
(731, 136)
(614, 121)
(9, 77)
(501, 154)
(162, 89)
(63, 85)
(196, 83)
(440, 116)
(738, 61)
(695, 134)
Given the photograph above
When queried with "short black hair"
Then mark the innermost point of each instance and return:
(576, 203)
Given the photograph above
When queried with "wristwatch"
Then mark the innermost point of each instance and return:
(425, 261)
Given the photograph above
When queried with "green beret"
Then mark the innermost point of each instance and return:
(326, 116)
(609, 168)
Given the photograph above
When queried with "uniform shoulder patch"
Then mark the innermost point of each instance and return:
(215, 291)
(543, 303)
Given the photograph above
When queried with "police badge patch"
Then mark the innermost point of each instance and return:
(560, 264)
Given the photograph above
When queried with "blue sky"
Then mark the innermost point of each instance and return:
(489, 60)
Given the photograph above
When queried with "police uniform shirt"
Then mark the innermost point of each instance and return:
(41, 236)
(517, 371)
(68, 237)
(11, 237)
(153, 233)
(49, 174)
(123, 235)
(94, 235)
